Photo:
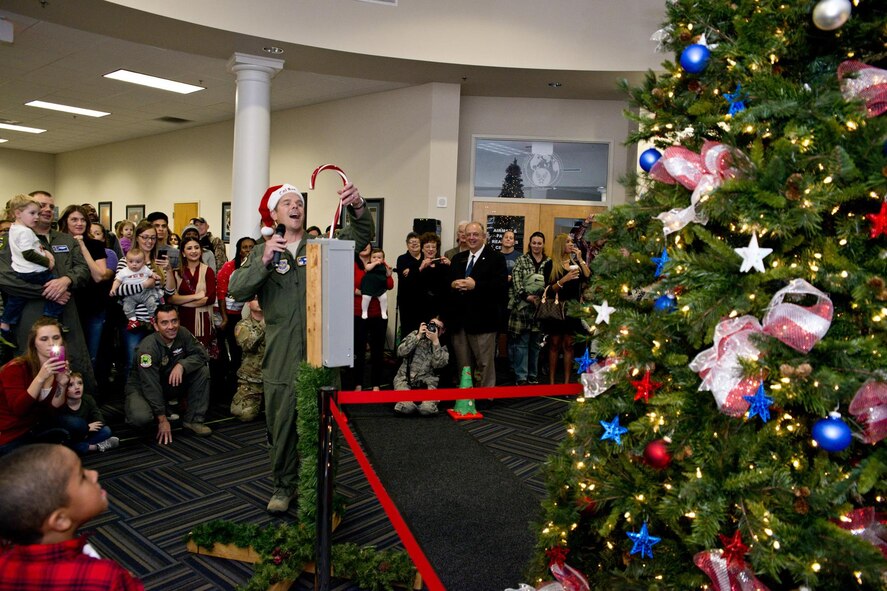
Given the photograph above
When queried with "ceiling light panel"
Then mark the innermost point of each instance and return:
(21, 128)
(67, 109)
(153, 82)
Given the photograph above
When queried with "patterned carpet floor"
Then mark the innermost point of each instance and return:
(158, 493)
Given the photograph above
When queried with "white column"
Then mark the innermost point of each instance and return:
(252, 140)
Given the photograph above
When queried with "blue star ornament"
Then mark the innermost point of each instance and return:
(613, 430)
(759, 404)
(643, 542)
(736, 100)
(660, 261)
(585, 362)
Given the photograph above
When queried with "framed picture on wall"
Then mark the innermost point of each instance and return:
(105, 217)
(135, 213)
(226, 221)
(376, 207)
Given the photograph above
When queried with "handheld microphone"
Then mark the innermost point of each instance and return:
(280, 231)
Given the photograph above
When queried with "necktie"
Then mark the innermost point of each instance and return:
(470, 266)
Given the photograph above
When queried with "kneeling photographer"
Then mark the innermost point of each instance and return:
(422, 353)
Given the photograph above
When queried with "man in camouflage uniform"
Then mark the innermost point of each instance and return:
(422, 353)
(282, 296)
(250, 335)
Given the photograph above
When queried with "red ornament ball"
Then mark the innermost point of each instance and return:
(656, 455)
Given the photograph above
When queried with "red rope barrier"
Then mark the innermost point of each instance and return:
(368, 397)
(429, 577)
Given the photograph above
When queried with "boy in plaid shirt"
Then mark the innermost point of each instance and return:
(46, 496)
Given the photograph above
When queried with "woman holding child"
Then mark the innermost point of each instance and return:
(32, 386)
(369, 329)
(145, 240)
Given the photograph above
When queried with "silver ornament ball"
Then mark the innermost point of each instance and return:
(829, 15)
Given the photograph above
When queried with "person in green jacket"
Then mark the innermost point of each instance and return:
(281, 293)
(72, 274)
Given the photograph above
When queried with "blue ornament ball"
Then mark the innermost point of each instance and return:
(694, 58)
(649, 158)
(832, 434)
(664, 303)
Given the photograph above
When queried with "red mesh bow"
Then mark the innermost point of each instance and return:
(867, 524)
(869, 406)
(569, 578)
(862, 81)
(701, 173)
(727, 576)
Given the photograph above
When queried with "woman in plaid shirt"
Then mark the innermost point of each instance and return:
(524, 334)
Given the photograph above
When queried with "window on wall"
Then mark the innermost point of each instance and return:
(541, 169)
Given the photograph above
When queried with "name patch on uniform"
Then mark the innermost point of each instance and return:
(283, 266)
(302, 261)
(145, 361)
(60, 248)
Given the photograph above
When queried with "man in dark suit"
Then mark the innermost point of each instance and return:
(478, 298)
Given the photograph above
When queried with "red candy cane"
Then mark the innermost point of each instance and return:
(341, 173)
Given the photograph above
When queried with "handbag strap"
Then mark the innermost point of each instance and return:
(545, 294)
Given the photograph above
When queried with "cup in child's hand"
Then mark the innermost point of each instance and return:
(57, 352)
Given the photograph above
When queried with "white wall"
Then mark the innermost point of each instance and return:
(543, 119)
(189, 165)
(399, 145)
(23, 172)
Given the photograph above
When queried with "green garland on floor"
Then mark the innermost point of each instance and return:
(285, 549)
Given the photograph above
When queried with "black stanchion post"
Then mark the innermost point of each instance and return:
(326, 440)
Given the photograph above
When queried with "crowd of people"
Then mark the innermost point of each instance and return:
(171, 324)
(485, 301)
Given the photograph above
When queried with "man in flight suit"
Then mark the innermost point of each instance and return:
(169, 362)
(281, 293)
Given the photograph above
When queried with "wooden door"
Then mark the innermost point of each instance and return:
(182, 213)
(550, 219)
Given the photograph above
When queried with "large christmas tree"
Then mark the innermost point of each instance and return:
(738, 301)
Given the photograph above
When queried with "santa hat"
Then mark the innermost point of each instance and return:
(270, 199)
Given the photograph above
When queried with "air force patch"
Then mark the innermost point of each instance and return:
(283, 266)
(145, 361)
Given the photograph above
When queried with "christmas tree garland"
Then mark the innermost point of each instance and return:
(286, 549)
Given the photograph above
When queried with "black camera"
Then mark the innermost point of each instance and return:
(430, 326)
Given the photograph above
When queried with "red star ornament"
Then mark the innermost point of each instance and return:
(645, 387)
(734, 549)
(879, 221)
